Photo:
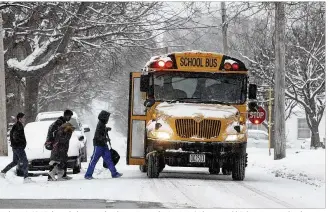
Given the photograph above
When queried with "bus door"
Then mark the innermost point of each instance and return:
(136, 144)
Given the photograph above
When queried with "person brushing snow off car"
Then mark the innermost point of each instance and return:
(101, 148)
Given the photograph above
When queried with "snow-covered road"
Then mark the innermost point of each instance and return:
(300, 183)
(176, 188)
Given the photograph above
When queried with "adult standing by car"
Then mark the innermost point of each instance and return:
(101, 148)
(18, 144)
(59, 155)
(52, 133)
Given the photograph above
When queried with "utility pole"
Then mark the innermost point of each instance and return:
(269, 121)
(224, 28)
(3, 119)
(279, 101)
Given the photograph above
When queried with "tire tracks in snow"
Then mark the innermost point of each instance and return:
(264, 194)
(171, 194)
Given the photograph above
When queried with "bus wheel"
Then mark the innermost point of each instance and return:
(238, 172)
(214, 170)
(153, 166)
(143, 168)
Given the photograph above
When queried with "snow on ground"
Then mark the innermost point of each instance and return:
(298, 181)
(304, 165)
(182, 187)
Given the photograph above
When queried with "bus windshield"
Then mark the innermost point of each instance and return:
(200, 87)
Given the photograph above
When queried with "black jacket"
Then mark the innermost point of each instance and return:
(17, 136)
(61, 144)
(100, 136)
(54, 127)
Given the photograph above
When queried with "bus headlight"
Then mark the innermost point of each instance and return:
(160, 135)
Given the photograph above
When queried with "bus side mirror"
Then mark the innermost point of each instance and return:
(252, 91)
(144, 83)
(149, 102)
(253, 107)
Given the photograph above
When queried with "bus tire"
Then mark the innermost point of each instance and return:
(153, 166)
(143, 168)
(238, 172)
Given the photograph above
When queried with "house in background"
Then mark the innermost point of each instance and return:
(297, 132)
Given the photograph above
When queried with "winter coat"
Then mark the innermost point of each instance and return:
(54, 127)
(61, 146)
(17, 136)
(100, 136)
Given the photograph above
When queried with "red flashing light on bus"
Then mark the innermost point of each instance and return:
(169, 64)
(162, 64)
(234, 66)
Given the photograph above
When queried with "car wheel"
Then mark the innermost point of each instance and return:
(84, 154)
(19, 172)
(77, 168)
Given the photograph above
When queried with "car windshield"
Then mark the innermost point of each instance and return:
(200, 87)
(73, 121)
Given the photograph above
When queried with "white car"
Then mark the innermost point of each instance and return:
(257, 139)
(80, 128)
(39, 157)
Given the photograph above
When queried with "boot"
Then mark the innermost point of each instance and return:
(60, 174)
(52, 174)
(28, 180)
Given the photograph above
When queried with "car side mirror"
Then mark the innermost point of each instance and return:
(81, 138)
(253, 91)
(87, 129)
(144, 83)
(149, 102)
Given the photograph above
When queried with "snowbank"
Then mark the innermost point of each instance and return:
(307, 166)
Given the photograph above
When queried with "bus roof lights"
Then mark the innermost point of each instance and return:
(161, 64)
(168, 64)
(235, 66)
(227, 66)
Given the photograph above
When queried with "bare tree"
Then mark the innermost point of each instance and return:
(306, 75)
(47, 34)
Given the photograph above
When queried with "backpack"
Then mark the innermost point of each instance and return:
(49, 144)
(114, 155)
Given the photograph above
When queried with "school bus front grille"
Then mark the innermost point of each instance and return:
(187, 128)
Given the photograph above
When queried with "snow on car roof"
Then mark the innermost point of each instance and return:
(52, 114)
(36, 132)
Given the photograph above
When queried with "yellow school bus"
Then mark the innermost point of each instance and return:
(189, 109)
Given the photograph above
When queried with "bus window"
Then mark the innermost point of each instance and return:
(138, 138)
(138, 107)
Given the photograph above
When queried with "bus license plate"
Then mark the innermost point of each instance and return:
(197, 158)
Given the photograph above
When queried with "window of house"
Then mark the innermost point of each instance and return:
(303, 130)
